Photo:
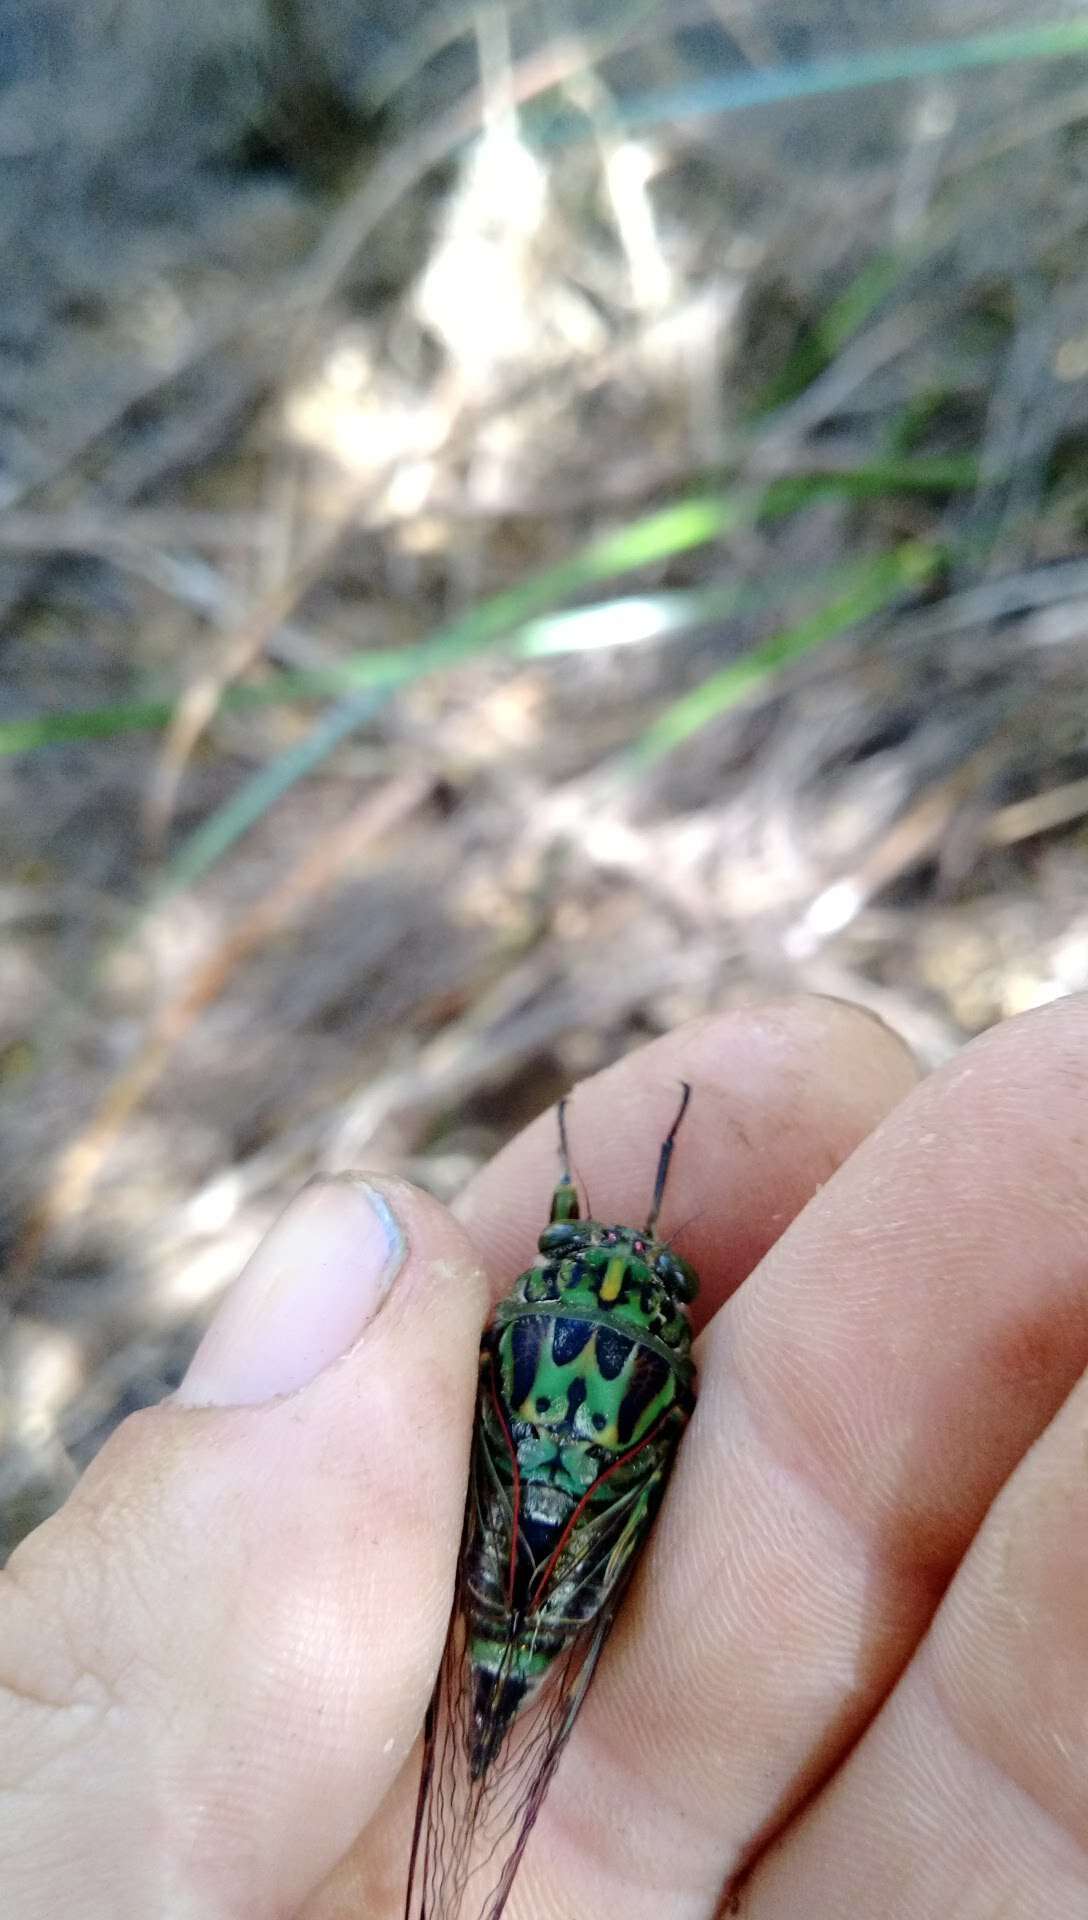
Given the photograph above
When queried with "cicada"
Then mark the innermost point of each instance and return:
(586, 1385)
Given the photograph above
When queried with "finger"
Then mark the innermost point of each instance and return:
(219, 1652)
(969, 1794)
(863, 1397)
(781, 1094)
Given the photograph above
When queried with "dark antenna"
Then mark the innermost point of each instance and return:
(663, 1161)
(565, 1197)
(564, 1148)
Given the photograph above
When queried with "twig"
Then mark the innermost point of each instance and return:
(1042, 812)
(253, 633)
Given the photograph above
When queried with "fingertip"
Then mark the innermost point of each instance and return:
(864, 1021)
(308, 1293)
(782, 1093)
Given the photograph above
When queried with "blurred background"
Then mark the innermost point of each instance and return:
(518, 525)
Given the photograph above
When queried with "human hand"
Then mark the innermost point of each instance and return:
(855, 1657)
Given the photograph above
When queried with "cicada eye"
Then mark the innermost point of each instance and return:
(678, 1275)
(560, 1237)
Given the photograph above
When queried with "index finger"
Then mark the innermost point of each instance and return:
(781, 1095)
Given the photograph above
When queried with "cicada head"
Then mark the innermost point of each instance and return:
(625, 1258)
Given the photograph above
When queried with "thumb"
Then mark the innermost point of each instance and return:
(217, 1655)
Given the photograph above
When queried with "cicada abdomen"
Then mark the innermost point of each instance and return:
(586, 1386)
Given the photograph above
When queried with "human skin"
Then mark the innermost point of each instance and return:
(851, 1676)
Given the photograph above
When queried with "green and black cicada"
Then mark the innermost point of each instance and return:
(586, 1386)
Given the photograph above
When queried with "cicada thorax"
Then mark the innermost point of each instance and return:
(586, 1385)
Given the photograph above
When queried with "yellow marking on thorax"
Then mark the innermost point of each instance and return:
(612, 1285)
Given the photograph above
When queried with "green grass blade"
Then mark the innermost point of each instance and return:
(875, 583)
(951, 473)
(205, 847)
(842, 318)
(650, 540)
(647, 541)
(655, 537)
(627, 620)
(880, 66)
(83, 723)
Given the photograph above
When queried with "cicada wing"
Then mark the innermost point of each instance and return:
(484, 1775)
(471, 1828)
(485, 1771)
(564, 1708)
